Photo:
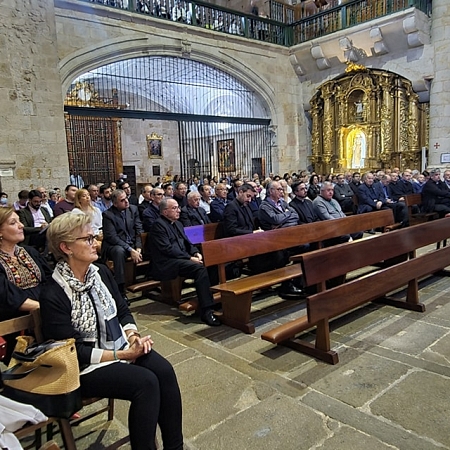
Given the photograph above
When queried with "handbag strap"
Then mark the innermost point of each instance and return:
(33, 351)
(10, 374)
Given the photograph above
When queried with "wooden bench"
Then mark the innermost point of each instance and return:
(236, 295)
(32, 322)
(203, 233)
(412, 200)
(324, 264)
(171, 290)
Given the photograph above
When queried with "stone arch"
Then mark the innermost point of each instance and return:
(119, 49)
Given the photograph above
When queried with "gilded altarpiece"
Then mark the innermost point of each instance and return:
(367, 119)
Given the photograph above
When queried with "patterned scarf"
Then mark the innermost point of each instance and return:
(94, 311)
(24, 272)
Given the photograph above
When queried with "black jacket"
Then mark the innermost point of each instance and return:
(114, 232)
(166, 245)
(237, 219)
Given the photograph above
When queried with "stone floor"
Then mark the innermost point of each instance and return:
(390, 389)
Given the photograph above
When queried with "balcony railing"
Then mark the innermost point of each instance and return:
(351, 13)
(201, 14)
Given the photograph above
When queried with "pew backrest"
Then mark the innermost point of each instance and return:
(319, 265)
(198, 234)
(235, 248)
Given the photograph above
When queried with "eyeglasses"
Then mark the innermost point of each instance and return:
(158, 195)
(89, 239)
(174, 207)
(279, 189)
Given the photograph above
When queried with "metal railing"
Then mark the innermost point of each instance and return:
(201, 14)
(350, 14)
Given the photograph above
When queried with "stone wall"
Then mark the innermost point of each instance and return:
(135, 152)
(87, 40)
(43, 47)
(32, 137)
(440, 87)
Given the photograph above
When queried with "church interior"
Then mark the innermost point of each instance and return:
(158, 91)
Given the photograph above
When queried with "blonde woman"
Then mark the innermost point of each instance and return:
(83, 205)
(82, 301)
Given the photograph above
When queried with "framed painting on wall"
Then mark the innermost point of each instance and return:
(154, 145)
(226, 155)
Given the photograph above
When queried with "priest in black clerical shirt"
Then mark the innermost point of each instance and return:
(173, 255)
(302, 204)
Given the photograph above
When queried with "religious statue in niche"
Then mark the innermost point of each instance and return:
(359, 109)
(356, 149)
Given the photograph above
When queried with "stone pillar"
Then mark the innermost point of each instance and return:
(440, 92)
(32, 135)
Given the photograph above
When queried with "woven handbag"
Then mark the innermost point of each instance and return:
(45, 375)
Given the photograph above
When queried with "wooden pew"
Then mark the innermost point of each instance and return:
(171, 290)
(203, 233)
(197, 234)
(236, 295)
(412, 200)
(324, 264)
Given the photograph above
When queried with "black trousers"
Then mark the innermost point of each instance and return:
(152, 388)
(118, 256)
(190, 269)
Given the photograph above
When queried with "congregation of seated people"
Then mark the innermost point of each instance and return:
(242, 204)
(53, 248)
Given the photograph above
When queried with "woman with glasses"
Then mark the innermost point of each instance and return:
(82, 301)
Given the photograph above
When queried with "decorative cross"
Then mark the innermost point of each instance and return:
(437, 145)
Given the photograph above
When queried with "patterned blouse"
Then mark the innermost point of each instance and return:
(23, 271)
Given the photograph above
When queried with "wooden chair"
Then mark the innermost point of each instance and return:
(32, 322)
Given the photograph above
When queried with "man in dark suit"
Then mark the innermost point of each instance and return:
(179, 194)
(370, 195)
(399, 207)
(256, 200)
(173, 255)
(436, 194)
(132, 199)
(35, 220)
(147, 194)
(343, 193)
(235, 185)
(355, 183)
(151, 213)
(217, 206)
(398, 188)
(237, 217)
(193, 213)
(122, 230)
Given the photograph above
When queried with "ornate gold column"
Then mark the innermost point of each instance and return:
(341, 111)
(402, 125)
(315, 133)
(328, 128)
(412, 157)
(387, 119)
